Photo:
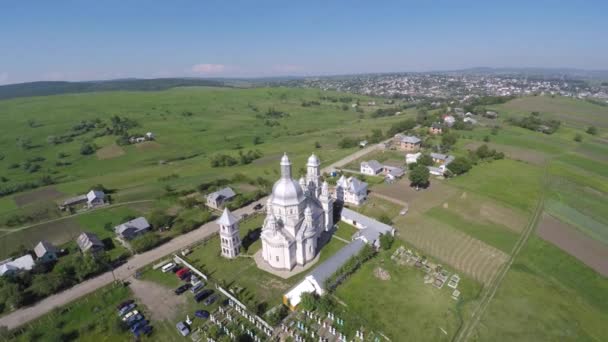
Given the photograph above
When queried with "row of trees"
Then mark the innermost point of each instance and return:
(222, 160)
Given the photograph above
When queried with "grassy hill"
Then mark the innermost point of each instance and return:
(45, 88)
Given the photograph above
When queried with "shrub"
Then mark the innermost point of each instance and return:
(145, 242)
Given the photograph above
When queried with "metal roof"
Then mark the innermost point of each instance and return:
(43, 247)
(227, 218)
(374, 164)
(138, 224)
(331, 265)
(410, 139)
(226, 192)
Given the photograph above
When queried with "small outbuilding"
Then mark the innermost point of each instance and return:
(131, 229)
(45, 251)
(89, 242)
(216, 200)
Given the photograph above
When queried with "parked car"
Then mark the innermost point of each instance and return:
(202, 295)
(182, 289)
(125, 303)
(138, 325)
(129, 315)
(197, 287)
(258, 206)
(168, 267)
(134, 319)
(201, 314)
(211, 299)
(145, 330)
(194, 280)
(126, 309)
(183, 273)
(182, 328)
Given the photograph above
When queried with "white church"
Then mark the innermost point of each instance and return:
(296, 215)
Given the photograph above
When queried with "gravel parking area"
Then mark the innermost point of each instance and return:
(161, 302)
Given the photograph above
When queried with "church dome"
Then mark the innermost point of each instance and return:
(287, 192)
(313, 160)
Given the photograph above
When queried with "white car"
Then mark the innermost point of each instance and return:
(182, 328)
(168, 267)
(129, 315)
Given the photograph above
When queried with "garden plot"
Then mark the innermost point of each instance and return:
(44, 194)
(461, 251)
(591, 252)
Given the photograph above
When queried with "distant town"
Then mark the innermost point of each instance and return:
(458, 86)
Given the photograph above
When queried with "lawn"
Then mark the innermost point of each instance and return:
(404, 308)
(510, 182)
(547, 296)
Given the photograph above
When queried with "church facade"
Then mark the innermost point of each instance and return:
(296, 215)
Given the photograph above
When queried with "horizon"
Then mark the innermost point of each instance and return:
(68, 41)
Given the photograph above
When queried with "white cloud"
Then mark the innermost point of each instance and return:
(209, 68)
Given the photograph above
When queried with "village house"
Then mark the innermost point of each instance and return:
(407, 142)
(89, 242)
(442, 159)
(392, 173)
(449, 120)
(131, 229)
(11, 267)
(45, 252)
(470, 120)
(491, 114)
(412, 158)
(436, 128)
(372, 167)
(92, 199)
(216, 200)
(351, 190)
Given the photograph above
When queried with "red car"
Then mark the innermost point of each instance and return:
(182, 273)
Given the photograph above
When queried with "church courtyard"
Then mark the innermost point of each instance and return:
(253, 285)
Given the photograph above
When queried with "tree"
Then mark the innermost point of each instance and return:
(419, 176)
(592, 130)
(386, 241)
(87, 149)
(486, 138)
(159, 218)
(448, 140)
(308, 301)
(317, 144)
(425, 160)
(145, 242)
(578, 138)
(47, 284)
(460, 165)
(257, 140)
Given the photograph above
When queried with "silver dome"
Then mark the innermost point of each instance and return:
(313, 160)
(287, 192)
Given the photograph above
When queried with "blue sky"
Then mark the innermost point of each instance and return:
(85, 40)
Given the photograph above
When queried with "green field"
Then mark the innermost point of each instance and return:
(470, 222)
(404, 306)
(191, 126)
